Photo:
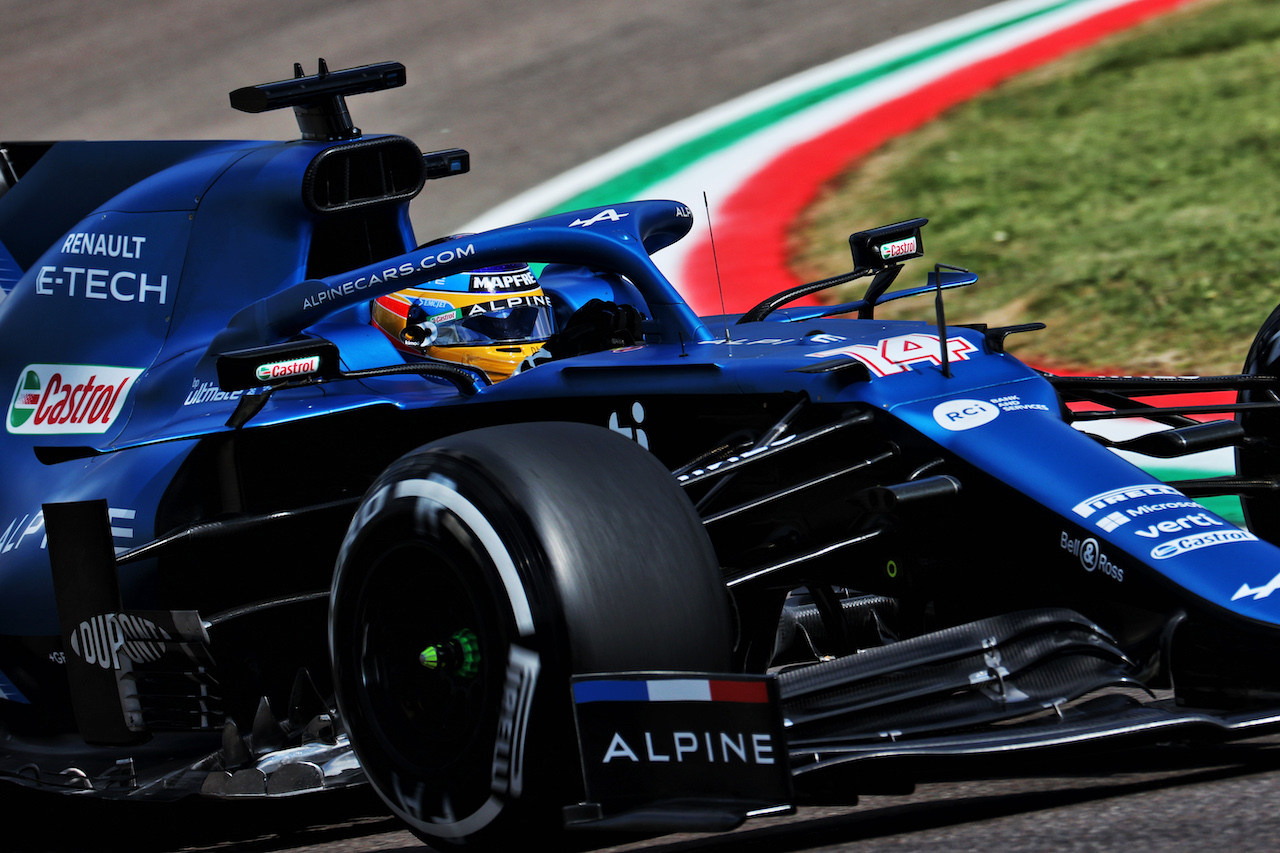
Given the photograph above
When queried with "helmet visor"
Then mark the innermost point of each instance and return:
(508, 319)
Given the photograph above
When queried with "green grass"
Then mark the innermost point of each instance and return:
(1128, 196)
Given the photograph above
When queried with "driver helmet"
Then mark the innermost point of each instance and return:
(494, 319)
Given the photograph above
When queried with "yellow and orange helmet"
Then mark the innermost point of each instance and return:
(494, 319)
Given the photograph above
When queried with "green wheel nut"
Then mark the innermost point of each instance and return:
(460, 653)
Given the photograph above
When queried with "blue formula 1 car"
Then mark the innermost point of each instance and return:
(291, 503)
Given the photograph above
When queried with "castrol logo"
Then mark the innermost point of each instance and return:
(278, 370)
(53, 399)
(898, 248)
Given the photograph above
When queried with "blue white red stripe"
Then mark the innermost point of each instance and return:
(670, 690)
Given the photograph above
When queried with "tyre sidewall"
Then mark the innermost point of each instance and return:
(592, 560)
(482, 788)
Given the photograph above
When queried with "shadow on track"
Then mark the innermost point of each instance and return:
(42, 823)
(49, 823)
(1080, 782)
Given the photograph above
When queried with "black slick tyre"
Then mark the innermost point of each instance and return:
(479, 573)
(1261, 458)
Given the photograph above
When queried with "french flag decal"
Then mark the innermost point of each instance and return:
(670, 690)
(646, 738)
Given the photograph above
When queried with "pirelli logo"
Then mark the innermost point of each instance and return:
(1106, 500)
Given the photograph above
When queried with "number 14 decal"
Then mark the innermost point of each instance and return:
(895, 355)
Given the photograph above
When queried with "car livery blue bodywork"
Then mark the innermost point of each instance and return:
(867, 485)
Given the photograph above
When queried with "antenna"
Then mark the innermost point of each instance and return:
(942, 316)
(715, 260)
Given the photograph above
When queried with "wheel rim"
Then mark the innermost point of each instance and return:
(418, 596)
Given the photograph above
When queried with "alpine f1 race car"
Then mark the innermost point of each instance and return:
(291, 502)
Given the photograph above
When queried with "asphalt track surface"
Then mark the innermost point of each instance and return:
(532, 89)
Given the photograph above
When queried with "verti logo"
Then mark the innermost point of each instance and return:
(53, 399)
